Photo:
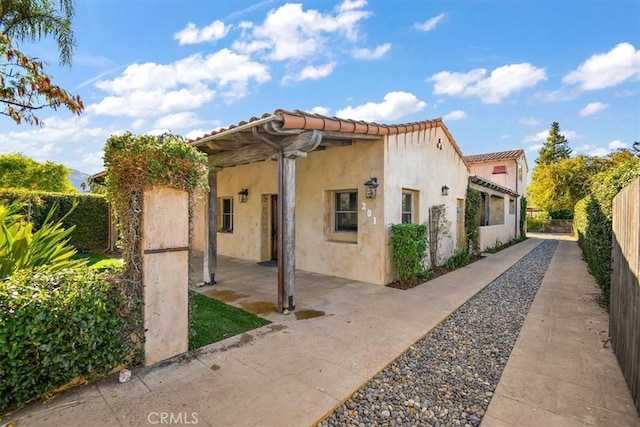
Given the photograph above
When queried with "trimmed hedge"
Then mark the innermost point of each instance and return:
(91, 216)
(56, 328)
(472, 212)
(409, 248)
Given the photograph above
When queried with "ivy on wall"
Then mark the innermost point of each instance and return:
(135, 163)
(473, 205)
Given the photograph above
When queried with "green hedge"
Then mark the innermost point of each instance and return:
(409, 248)
(57, 327)
(472, 212)
(91, 216)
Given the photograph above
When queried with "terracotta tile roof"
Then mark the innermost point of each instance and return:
(300, 120)
(489, 157)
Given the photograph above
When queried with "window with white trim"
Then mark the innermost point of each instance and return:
(225, 215)
(408, 201)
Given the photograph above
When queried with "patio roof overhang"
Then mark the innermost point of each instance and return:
(296, 132)
(492, 185)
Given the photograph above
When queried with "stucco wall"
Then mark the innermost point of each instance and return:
(341, 168)
(510, 179)
(415, 161)
(492, 234)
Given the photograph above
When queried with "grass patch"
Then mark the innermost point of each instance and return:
(212, 321)
(99, 261)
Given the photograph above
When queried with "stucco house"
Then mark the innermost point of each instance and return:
(501, 177)
(325, 204)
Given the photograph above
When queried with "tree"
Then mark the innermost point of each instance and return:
(18, 171)
(560, 185)
(555, 148)
(24, 86)
(32, 20)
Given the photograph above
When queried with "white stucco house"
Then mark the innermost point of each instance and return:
(501, 177)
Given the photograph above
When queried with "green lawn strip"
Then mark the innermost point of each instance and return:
(99, 261)
(214, 321)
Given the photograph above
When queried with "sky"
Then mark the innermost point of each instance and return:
(497, 72)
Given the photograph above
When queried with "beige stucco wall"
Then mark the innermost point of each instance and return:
(165, 224)
(341, 168)
(502, 233)
(199, 217)
(414, 161)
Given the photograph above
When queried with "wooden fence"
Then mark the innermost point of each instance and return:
(624, 317)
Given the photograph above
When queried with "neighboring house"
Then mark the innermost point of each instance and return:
(502, 179)
(333, 223)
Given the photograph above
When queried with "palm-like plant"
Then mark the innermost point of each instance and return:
(31, 20)
(46, 249)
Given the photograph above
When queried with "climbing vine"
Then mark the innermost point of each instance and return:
(439, 228)
(134, 163)
(473, 205)
(523, 216)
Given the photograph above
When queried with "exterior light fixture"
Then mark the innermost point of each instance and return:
(371, 186)
(244, 193)
(445, 190)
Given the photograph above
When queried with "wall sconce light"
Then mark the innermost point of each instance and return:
(445, 190)
(243, 195)
(371, 187)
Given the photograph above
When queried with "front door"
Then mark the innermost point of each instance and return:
(274, 226)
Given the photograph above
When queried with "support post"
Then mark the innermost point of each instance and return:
(211, 241)
(289, 233)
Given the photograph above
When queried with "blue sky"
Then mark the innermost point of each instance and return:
(498, 72)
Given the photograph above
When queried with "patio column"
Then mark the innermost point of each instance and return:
(211, 230)
(288, 237)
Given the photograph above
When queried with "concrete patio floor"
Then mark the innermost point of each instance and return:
(294, 371)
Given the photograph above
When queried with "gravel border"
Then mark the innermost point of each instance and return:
(448, 377)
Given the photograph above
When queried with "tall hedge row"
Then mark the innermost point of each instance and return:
(593, 219)
(56, 328)
(91, 216)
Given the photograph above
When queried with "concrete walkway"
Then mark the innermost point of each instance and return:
(293, 372)
(560, 373)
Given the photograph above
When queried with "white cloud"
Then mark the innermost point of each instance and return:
(617, 144)
(58, 138)
(371, 54)
(224, 68)
(192, 35)
(321, 110)
(593, 108)
(542, 136)
(501, 83)
(529, 121)
(178, 121)
(291, 33)
(311, 72)
(534, 148)
(150, 89)
(607, 69)
(143, 104)
(394, 106)
(431, 23)
(138, 124)
(455, 115)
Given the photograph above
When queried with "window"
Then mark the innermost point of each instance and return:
(519, 171)
(407, 207)
(225, 221)
(346, 211)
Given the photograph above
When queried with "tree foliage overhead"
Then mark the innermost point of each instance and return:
(555, 148)
(18, 171)
(24, 86)
(32, 20)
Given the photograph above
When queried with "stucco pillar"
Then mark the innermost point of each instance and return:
(165, 273)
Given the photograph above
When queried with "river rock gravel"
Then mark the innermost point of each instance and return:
(448, 377)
